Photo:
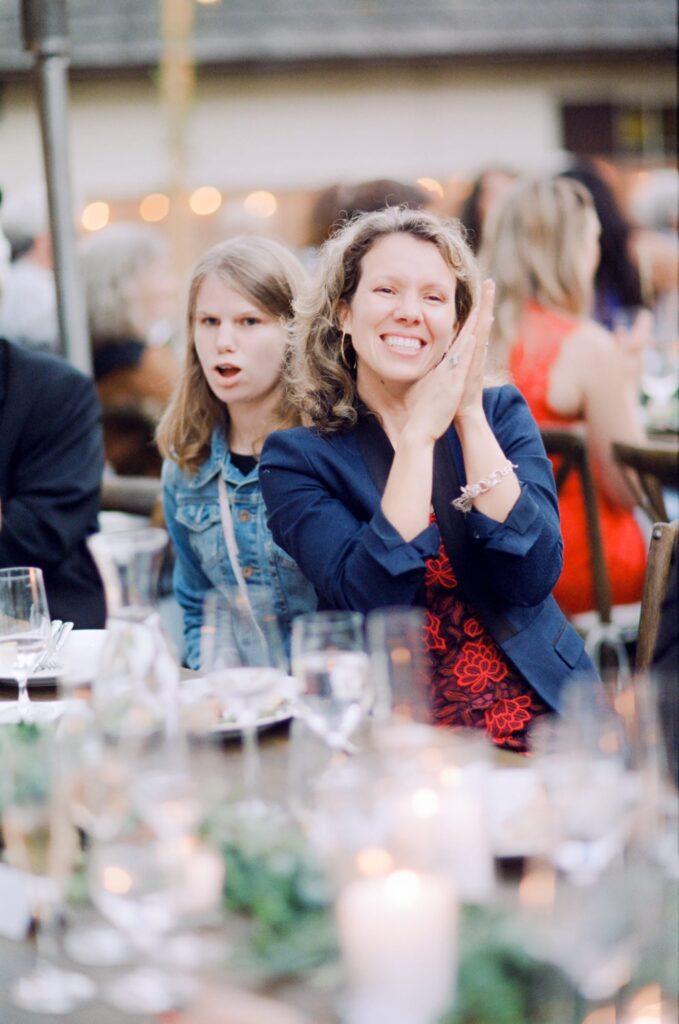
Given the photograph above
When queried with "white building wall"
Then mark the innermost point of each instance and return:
(285, 131)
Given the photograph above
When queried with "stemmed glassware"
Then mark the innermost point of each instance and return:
(579, 760)
(135, 692)
(40, 841)
(24, 627)
(331, 667)
(399, 664)
(136, 883)
(243, 657)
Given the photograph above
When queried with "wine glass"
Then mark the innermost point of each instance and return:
(331, 667)
(242, 655)
(41, 841)
(98, 781)
(579, 759)
(400, 664)
(136, 882)
(24, 627)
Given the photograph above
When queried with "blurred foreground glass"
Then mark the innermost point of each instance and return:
(591, 932)
(135, 692)
(579, 757)
(395, 901)
(399, 664)
(648, 710)
(331, 667)
(41, 841)
(144, 886)
(129, 563)
(24, 627)
(242, 654)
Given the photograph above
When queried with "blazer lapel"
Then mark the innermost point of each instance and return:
(375, 448)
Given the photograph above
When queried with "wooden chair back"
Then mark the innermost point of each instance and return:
(662, 547)
(571, 447)
(647, 469)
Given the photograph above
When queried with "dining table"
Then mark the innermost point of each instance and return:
(228, 993)
(225, 997)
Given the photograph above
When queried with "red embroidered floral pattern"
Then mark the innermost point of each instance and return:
(432, 636)
(473, 684)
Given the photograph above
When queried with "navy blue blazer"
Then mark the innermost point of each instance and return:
(324, 510)
(51, 461)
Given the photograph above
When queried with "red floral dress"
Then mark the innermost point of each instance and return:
(472, 682)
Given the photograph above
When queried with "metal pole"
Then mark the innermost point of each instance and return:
(46, 37)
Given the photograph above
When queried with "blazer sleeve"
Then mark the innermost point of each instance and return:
(522, 557)
(350, 552)
(54, 487)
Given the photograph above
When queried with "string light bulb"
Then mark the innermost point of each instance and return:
(154, 207)
(261, 204)
(95, 216)
(205, 200)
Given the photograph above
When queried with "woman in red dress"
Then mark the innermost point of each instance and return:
(542, 250)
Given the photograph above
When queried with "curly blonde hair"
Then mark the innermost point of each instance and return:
(320, 376)
(532, 248)
(270, 276)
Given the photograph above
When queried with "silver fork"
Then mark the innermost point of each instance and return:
(49, 661)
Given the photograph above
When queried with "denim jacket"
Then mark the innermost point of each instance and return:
(193, 520)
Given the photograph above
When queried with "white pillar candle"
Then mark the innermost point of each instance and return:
(466, 834)
(446, 827)
(398, 934)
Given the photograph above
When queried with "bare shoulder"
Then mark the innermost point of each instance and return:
(590, 340)
(585, 360)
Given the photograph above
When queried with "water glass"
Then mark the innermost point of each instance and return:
(40, 840)
(24, 627)
(242, 655)
(400, 664)
(331, 667)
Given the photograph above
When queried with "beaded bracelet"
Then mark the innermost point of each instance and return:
(471, 491)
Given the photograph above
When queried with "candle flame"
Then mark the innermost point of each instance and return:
(425, 803)
(374, 861)
(117, 880)
(403, 887)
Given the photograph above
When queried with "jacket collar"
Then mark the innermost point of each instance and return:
(219, 460)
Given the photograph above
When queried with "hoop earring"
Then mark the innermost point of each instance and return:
(343, 354)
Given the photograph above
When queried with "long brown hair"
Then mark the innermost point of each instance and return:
(320, 374)
(270, 276)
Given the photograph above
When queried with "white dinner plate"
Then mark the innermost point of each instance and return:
(228, 728)
(197, 690)
(46, 677)
(78, 659)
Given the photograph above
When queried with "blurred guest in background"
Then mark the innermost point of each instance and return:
(229, 398)
(28, 314)
(130, 295)
(391, 348)
(340, 203)
(617, 284)
(489, 186)
(541, 248)
(51, 461)
(655, 207)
